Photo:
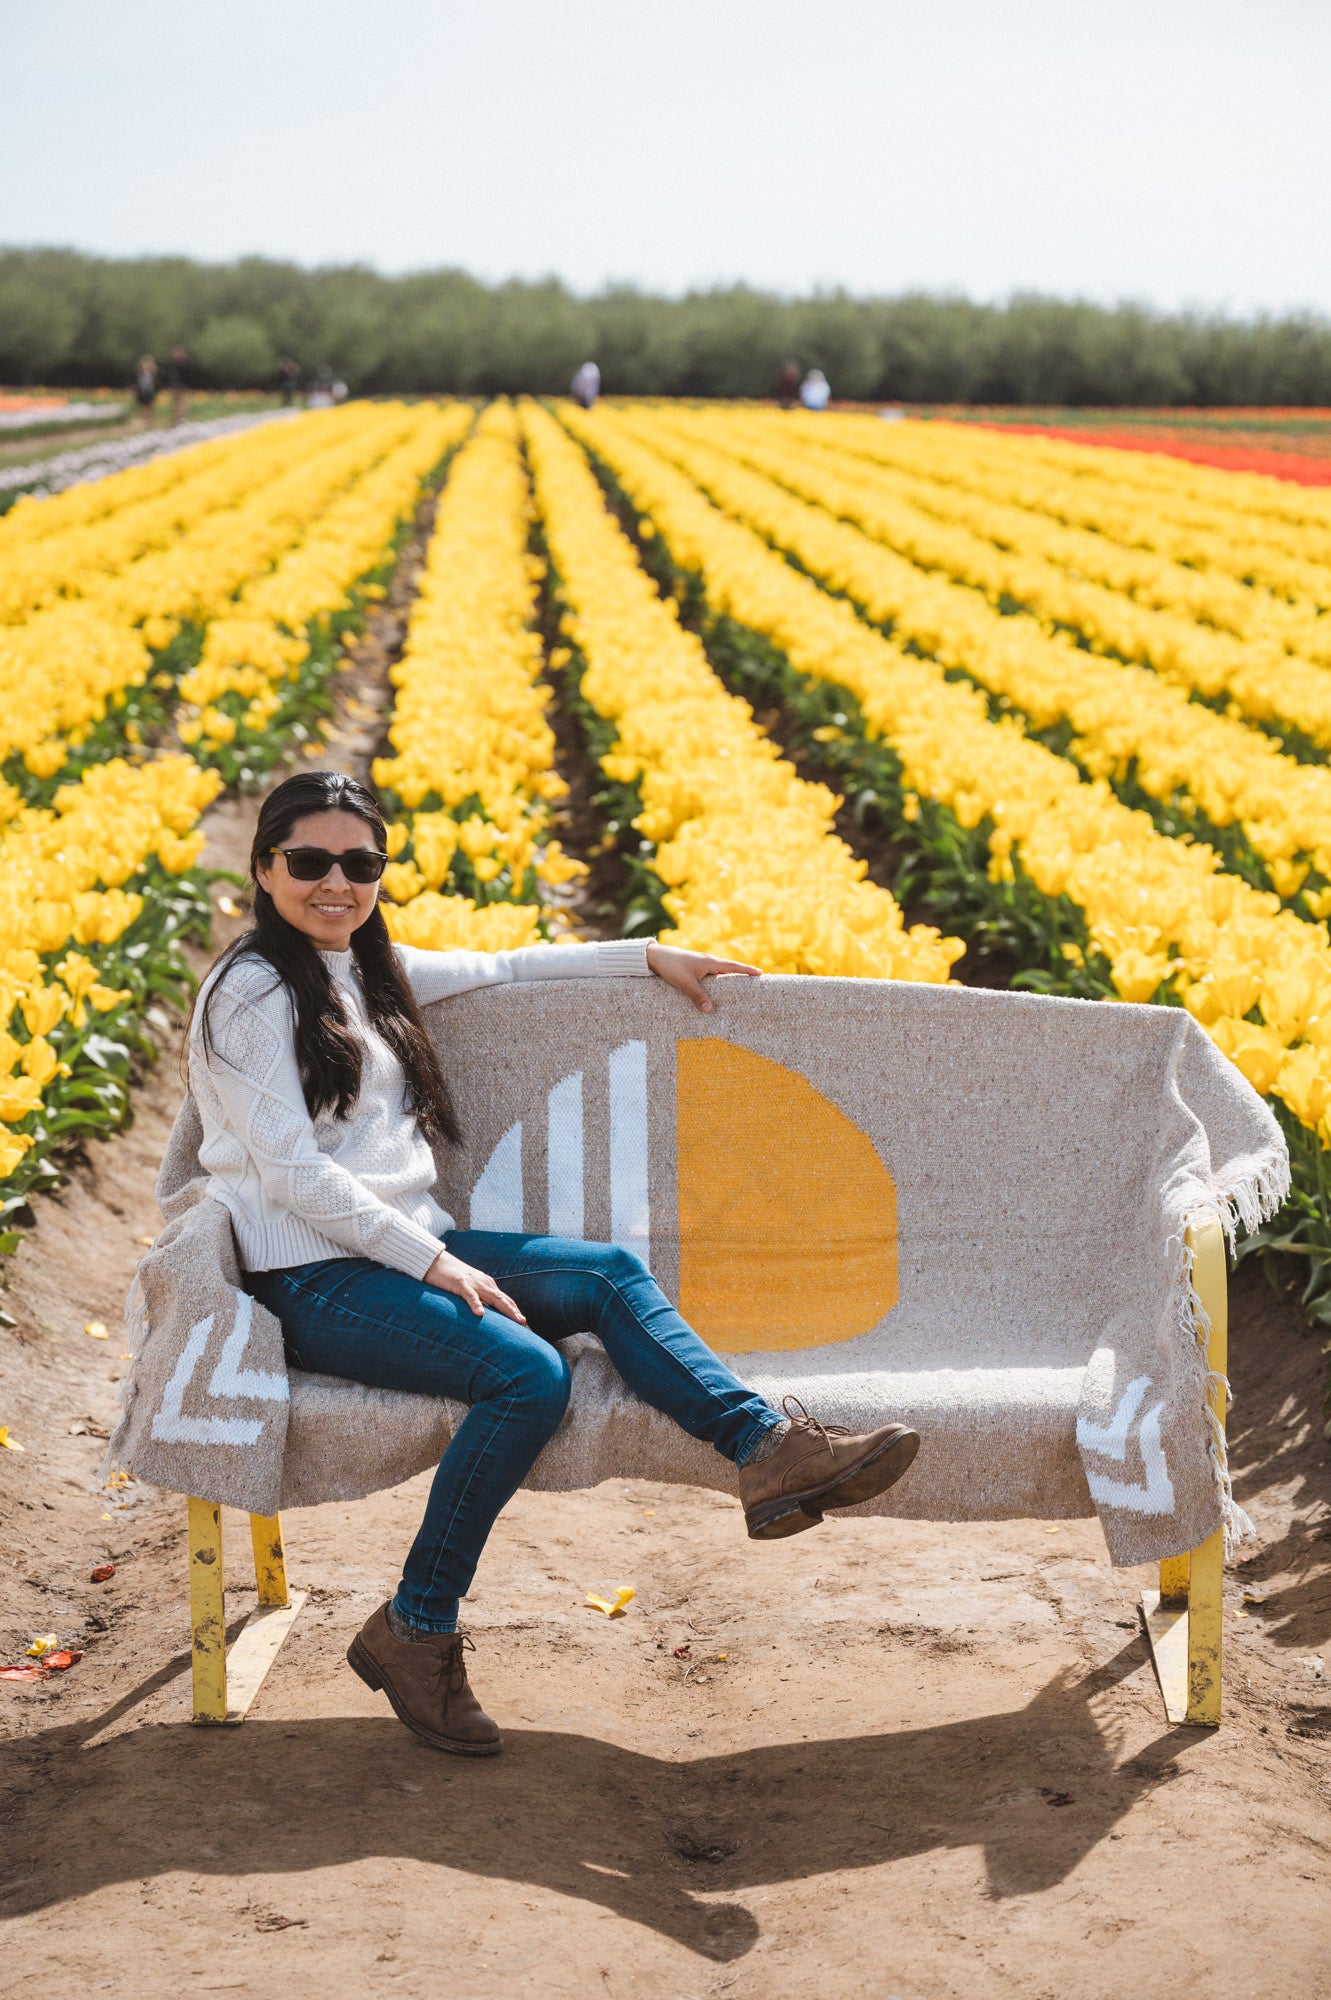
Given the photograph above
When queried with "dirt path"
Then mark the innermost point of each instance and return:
(884, 1759)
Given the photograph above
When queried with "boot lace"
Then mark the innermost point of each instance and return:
(457, 1666)
(800, 1420)
(451, 1662)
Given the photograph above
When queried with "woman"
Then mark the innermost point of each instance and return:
(319, 1090)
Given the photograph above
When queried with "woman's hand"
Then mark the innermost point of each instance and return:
(450, 1274)
(686, 970)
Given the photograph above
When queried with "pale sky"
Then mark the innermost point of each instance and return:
(1176, 152)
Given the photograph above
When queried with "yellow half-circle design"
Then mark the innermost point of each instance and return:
(787, 1216)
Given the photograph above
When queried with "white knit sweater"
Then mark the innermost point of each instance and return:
(302, 1189)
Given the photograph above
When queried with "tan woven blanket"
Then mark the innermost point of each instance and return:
(961, 1209)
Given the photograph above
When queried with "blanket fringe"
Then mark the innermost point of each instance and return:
(1256, 1197)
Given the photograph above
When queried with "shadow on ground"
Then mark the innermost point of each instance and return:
(1277, 1445)
(661, 1843)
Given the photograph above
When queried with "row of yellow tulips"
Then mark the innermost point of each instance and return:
(747, 849)
(1162, 912)
(471, 780)
(1224, 525)
(1127, 723)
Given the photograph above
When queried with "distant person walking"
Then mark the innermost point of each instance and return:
(586, 384)
(177, 364)
(320, 395)
(815, 390)
(288, 380)
(788, 385)
(145, 388)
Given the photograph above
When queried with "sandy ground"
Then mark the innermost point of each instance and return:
(885, 1759)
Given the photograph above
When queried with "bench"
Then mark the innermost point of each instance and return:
(998, 1217)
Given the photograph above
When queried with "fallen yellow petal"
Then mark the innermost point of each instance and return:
(95, 1330)
(7, 1443)
(45, 1642)
(613, 1607)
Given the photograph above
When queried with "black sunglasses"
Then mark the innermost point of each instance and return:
(311, 864)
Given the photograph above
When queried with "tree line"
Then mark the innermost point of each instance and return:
(78, 321)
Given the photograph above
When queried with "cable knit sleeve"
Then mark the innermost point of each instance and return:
(252, 1077)
(437, 975)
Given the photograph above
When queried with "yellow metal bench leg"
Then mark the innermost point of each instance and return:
(270, 1563)
(1174, 1573)
(1205, 1636)
(225, 1684)
(207, 1611)
(1184, 1620)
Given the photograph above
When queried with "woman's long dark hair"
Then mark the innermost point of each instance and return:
(328, 1053)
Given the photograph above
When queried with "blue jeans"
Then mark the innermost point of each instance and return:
(347, 1316)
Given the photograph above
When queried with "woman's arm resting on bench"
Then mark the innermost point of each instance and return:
(438, 975)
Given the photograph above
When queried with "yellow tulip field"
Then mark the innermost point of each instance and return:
(894, 700)
(166, 631)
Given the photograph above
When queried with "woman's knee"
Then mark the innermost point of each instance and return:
(540, 1385)
(616, 1264)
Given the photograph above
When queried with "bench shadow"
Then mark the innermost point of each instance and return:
(668, 1845)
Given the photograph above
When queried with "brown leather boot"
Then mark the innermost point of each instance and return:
(817, 1466)
(426, 1681)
